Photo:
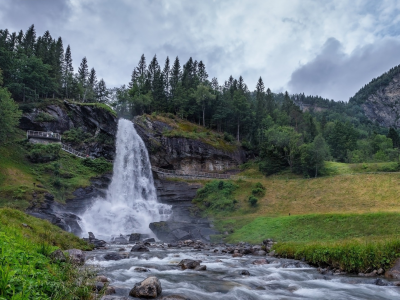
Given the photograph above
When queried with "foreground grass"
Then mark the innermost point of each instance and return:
(26, 270)
(18, 176)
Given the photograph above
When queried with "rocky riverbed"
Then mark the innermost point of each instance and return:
(196, 270)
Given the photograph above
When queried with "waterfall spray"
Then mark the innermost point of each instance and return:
(131, 200)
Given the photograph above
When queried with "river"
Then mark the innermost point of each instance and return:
(280, 279)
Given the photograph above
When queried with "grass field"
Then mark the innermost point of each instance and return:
(356, 208)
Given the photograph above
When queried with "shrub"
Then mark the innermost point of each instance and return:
(228, 137)
(259, 186)
(75, 136)
(44, 153)
(217, 195)
(258, 192)
(44, 117)
(253, 200)
(99, 165)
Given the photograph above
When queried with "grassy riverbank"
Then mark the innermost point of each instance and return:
(27, 271)
(349, 220)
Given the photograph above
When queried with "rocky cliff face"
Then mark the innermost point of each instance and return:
(183, 154)
(92, 120)
(383, 106)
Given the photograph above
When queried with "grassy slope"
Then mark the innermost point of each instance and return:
(186, 129)
(354, 210)
(27, 272)
(17, 176)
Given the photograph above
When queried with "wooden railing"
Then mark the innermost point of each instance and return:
(70, 150)
(43, 135)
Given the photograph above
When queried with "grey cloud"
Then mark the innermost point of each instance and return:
(336, 75)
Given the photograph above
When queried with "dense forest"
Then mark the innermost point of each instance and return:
(281, 130)
(38, 67)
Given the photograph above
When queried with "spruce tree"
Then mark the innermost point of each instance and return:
(395, 137)
(142, 67)
(29, 41)
(166, 76)
(68, 72)
(202, 73)
(83, 71)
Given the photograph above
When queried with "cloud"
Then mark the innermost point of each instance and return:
(336, 75)
(250, 38)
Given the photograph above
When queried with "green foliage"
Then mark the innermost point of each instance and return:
(253, 200)
(258, 192)
(75, 136)
(44, 117)
(216, 196)
(9, 114)
(40, 153)
(27, 271)
(98, 165)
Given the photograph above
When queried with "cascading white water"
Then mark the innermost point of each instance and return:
(131, 200)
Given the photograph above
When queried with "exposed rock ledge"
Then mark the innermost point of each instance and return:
(183, 154)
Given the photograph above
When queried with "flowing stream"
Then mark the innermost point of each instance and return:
(280, 279)
(131, 200)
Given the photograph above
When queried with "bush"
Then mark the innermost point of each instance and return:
(217, 195)
(44, 117)
(75, 136)
(99, 165)
(40, 153)
(258, 192)
(253, 200)
(228, 137)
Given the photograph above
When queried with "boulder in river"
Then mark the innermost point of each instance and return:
(113, 256)
(120, 240)
(140, 248)
(394, 272)
(76, 256)
(149, 240)
(113, 298)
(260, 262)
(148, 288)
(244, 272)
(134, 237)
(189, 264)
(140, 269)
(201, 268)
(175, 297)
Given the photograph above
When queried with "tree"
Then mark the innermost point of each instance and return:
(395, 137)
(68, 71)
(319, 152)
(9, 112)
(202, 73)
(203, 95)
(241, 107)
(101, 92)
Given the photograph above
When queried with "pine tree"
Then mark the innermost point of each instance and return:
(29, 41)
(142, 67)
(101, 92)
(395, 137)
(202, 73)
(68, 72)
(166, 75)
(83, 71)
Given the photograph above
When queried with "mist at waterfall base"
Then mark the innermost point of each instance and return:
(131, 203)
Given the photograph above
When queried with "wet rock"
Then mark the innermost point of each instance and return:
(380, 271)
(380, 282)
(98, 243)
(272, 253)
(189, 264)
(237, 255)
(201, 268)
(113, 298)
(121, 249)
(175, 297)
(102, 278)
(394, 272)
(76, 256)
(246, 251)
(261, 253)
(296, 264)
(58, 255)
(140, 248)
(120, 240)
(149, 240)
(371, 274)
(140, 269)
(260, 262)
(134, 237)
(244, 273)
(148, 288)
(113, 256)
(109, 290)
(91, 236)
(98, 286)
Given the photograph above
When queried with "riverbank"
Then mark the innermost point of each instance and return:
(27, 268)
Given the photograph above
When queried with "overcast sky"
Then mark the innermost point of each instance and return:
(326, 48)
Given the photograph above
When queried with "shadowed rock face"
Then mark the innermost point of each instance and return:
(181, 153)
(383, 106)
(90, 119)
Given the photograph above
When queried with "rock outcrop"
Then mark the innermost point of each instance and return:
(181, 153)
(91, 119)
(383, 106)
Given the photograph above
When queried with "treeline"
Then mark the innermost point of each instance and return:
(39, 67)
(283, 130)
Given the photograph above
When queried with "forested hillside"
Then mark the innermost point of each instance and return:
(282, 131)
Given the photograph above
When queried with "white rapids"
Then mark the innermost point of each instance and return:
(131, 200)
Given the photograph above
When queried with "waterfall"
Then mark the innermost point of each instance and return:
(131, 200)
